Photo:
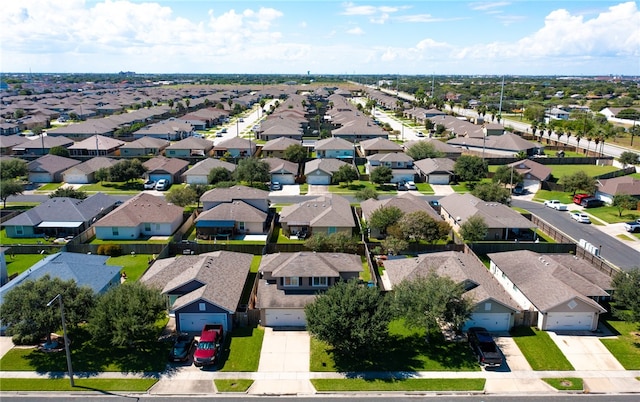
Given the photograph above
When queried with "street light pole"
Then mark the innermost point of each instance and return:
(64, 334)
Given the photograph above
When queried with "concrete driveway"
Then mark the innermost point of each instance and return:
(586, 352)
(317, 189)
(287, 189)
(514, 360)
(285, 351)
(6, 344)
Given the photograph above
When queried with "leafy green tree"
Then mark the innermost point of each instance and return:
(127, 170)
(365, 194)
(127, 314)
(59, 151)
(218, 174)
(424, 301)
(13, 168)
(578, 181)
(422, 150)
(101, 174)
(9, 188)
(470, 168)
(626, 304)
(384, 217)
(420, 225)
(199, 189)
(381, 175)
(534, 112)
(629, 158)
(27, 317)
(252, 170)
(491, 192)
(295, 153)
(394, 245)
(182, 196)
(68, 192)
(624, 202)
(474, 229)
(335, 242)
(353, 319)
(507, 175)
(346, 174)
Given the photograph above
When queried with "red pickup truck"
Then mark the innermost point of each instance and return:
(209, 345)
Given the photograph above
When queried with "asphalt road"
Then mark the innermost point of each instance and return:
(612, 250)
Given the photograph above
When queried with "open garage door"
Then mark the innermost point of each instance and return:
(494, 322)
(569, 321)
(285, 318)
(193, 322)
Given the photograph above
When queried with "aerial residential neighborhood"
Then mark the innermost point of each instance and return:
(320, 200)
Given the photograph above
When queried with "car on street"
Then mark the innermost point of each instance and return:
(182, 348)
(162, 185)
(580, 217)
(633, 226)
(484, 347)
(149, 185)
(224, 130)
(555, 204)
(241, 120)
(420, 134)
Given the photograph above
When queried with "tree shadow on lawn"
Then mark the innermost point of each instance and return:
(123, 186)
(410, 353)
(89, 357)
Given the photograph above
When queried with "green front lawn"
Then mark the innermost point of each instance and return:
(425, 188)
(49, 187)
(101, 385)
(358, 185)
(244, 350)
(304, 188)
(626, 348)
(133, 265)
(540, 350)
(405, 350)
(406, 384)
(464, 187)
(565, 384)
(232, 385)
(18, 263)
(133, 187)
(610, 214)
(543, 195)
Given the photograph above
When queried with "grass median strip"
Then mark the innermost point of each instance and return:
(566, 383)
(540, 350)
(408, 384)
(81, 384)
(233, 385)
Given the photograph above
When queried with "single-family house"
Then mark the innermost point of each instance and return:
(170, 169)
(191, 146)
(507, 144)
(320, 171)
(533, 173)
(98, 145)
(199, 173)
(144, 146)
(326, 214)
(49, 168)
(40, 145)
(282, 171)
(252, 196)
(8, 142)
(84, 172)
(445, 149)
(141, 216)
(276, 147)
(171, 129)
(334, 147)
(407, 203)
(230, 219)
(400, 163)
(60, 216)
(503, 222)
(435, 170)
(360, 128)
(378, 146)
(561, 289)
(236, 147)
(493, 308)
(202, 289)
(608, 188)
(290, 281)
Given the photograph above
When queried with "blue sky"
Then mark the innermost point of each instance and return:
(323, 37)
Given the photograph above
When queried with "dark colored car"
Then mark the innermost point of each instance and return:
(484, 347)
(519, 189)
(591, 202)
(182, 348)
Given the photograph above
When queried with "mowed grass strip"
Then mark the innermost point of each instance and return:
(408, 384)
(232, 385)
(244, 350)
(540, 350)
(81, 384)
(566, 383)
(625, 347)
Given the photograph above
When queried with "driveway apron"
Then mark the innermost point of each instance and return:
(585, 352)
(284, 351)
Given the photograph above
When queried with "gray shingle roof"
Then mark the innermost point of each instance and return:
(204, 167)
(406, 202)
(234, 193)
(333, 143)
(327, 165)
(533, 169)
(51, 164)
(309, 264)
(237, 211)
(142, 208)
(380, 144)
(329, 210)
(435, 165)
(495, 215)
(280, 144)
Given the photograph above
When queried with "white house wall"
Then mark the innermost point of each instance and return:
(509, 286)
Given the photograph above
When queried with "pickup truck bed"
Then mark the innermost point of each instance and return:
(484, 346)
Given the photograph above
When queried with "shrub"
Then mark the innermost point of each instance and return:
(112, 250)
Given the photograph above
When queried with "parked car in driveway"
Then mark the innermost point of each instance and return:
(591, 202)
(577, 199)
(580, 217)
(162, 185)
(632, 227)
(555, 204)
(484, 347)
(182, 348)
(149, 185)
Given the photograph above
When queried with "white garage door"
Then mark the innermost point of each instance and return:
(40, 177)
(439, 178)
(320, 179)
(75, 178)
(285, 318)
(491, 321)
(569, 321)
(283, 178)
(193, 322)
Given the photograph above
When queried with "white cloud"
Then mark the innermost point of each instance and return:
(488, 6)
(377, 14)
(355, 31)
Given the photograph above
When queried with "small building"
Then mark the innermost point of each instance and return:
(49, 168)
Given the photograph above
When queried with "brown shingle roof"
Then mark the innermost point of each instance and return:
(141, 209)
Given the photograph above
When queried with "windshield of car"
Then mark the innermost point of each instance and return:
(206, 345)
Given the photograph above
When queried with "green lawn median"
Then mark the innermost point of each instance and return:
(81, 384)
(625, 346)
(540, 350)
(233, 385)
(244, 350)
(565, 383)
(408, 384)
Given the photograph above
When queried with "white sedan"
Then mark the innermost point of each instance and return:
(580, 217)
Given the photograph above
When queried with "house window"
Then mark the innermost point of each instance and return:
(115, 231)
(291, 281)
(319, 281)
(487, 307)
(147, 227)
(171, 152)
(202, 307)
(331, 229)
(19, 230)
(241, 225)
